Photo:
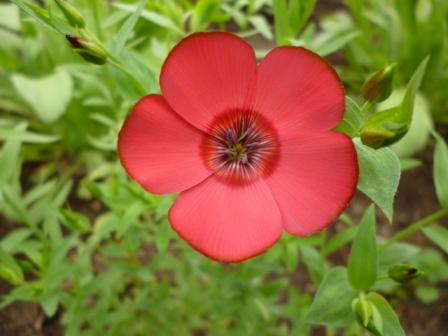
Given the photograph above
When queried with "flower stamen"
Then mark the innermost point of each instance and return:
(240, 146)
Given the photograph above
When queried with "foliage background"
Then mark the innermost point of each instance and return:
(85, 251)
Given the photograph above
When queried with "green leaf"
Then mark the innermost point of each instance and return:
(25, 292)
(48, 96)
(26, 136)
(9, 16)
(281, 21)
(39, 14)
(50, 302)
(262, 26)
(151, 16)
(126, 29)
(130, 217)
(14, 239)
(418, 134)
(441, 170)
(332, 302)
(339, 239)
(314, 262)
(408, 164)
(203, 14)
(75, 220)
(439, 235)
(362, 263)
(379, 175)
(335, 42)
(352, 121)
(9, 269)
(391, 324)
(9, 156)
(300, 12)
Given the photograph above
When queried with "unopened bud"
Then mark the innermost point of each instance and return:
(379, 84)
(363, 311)
(88, 50)
(375, 138)
(368, 316)
(73, 16)
(403, 273)
(383, 129)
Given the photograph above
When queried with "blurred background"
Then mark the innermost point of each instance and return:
(86, 251)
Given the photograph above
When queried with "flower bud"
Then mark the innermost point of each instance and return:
(379, 84)
(88, 50)
(384, 128)
(403, 273)
(363, 311)
(72, 15)
(368, 316)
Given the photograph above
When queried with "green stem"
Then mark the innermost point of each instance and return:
(114, 60)
(418, 225)
(344, 218)
(365, 108)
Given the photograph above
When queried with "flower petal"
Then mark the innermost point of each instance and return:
(207, 74)
(226, 222)
(298, 89)
(160, 150)
(315, 179)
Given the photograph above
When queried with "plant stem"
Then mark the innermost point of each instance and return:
(418, 225)
(365, 108)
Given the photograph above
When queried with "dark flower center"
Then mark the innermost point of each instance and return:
(240, 146)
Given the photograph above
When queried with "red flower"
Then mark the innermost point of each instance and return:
(249, 147)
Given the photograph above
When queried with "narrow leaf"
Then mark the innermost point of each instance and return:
(441, 170)
(281, 21)
(262, 26)
(439, 235)
(39, 14)
(9, 270)
(363, 264)
(314, 262)
(203, 14)
(126, 30)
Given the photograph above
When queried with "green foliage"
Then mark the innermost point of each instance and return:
(332, 303)
(362, 264)
(48, 96)
(379, 176)
(441, 170)
(290, 16)
(352, 121)
(439, 235)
